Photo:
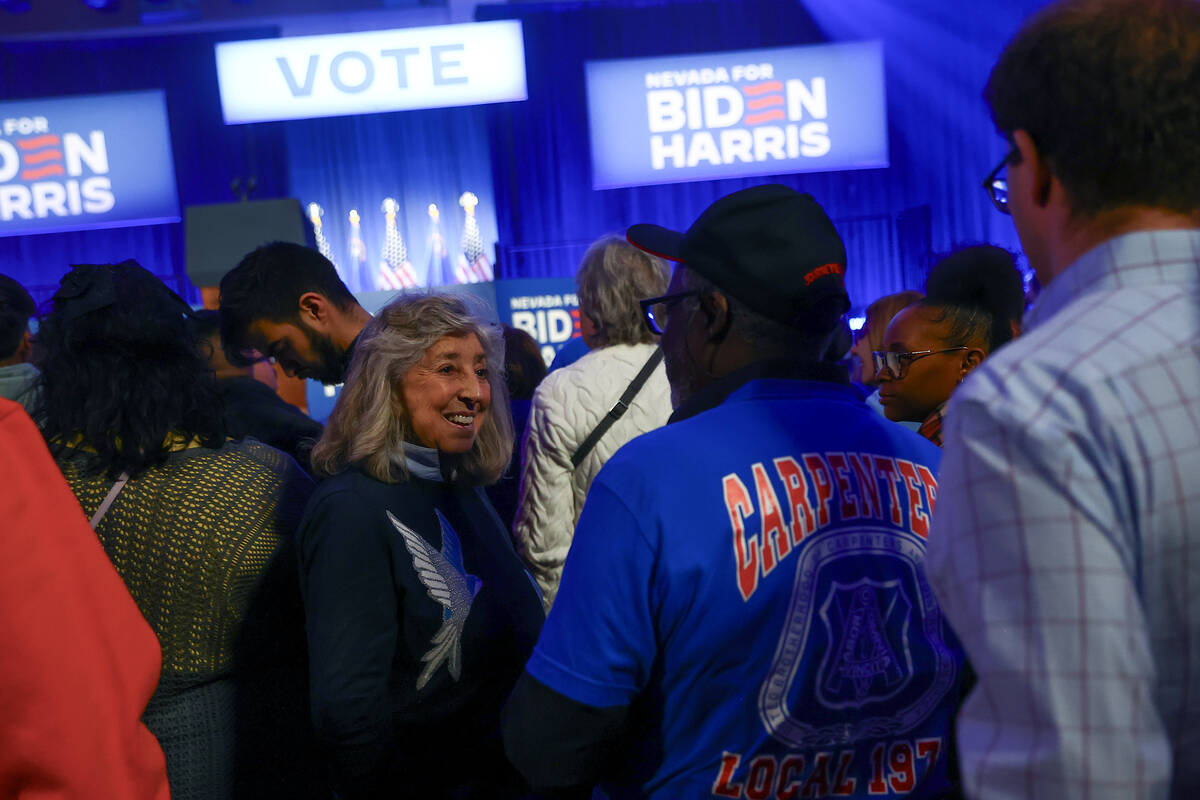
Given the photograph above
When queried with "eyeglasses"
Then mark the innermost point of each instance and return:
(997, 187)
(654, 309)
(897, 363)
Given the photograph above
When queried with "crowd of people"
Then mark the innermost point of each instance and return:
(732, 551)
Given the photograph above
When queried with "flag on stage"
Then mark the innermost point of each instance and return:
(473, 266)
(439, 272)
(315, 212)
(395, 271)
(357, 268)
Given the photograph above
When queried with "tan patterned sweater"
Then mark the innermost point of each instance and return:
(195, 540)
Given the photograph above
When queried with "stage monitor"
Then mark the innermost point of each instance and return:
(90, 161)
(218, 235)
(727, 115)
(299, 77)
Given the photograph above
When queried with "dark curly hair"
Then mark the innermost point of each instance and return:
(1108, 91)
(267, 284)
(121, 375)
(980, 292)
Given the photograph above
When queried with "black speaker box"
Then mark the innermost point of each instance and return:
(218, 235)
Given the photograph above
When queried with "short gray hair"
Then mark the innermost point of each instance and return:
(613, 277)
(369, 422)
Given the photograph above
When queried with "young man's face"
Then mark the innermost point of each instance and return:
(300, 350)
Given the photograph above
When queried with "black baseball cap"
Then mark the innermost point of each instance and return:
(770, 247)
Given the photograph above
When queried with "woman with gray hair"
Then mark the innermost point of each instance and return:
(566, 443)
(419, 614)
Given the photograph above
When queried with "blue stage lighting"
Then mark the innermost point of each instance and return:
(15, 6)
(102, 5)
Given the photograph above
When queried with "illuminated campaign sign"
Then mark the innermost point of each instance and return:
(92, 161)
(545, 308)
(360, 73)
(725, 115)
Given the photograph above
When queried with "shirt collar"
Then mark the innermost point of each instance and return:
(424, 462)
(349, 354)
(1140, 258)
(716, 392)
(931, 428)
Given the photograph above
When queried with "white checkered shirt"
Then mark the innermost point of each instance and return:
(1062, 549)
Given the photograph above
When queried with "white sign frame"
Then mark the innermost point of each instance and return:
(301, 77)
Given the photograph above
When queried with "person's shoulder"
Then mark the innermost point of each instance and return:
(253, 453)
(259, 468)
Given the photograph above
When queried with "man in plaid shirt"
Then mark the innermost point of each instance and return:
(1070, 486)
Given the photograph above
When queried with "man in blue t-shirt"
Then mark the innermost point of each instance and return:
(744, 612)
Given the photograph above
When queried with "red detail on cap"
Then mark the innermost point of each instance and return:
(645, 249)
(822, 271)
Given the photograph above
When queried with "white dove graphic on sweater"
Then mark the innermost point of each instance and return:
(446, 581)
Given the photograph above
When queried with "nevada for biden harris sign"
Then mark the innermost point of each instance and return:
(360, 73)
(723, 115)
(92, 161)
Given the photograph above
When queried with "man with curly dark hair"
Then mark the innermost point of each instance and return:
(1063, 543)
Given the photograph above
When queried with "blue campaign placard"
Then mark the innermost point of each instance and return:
(722, 115)
(90, 161)
(545, 308)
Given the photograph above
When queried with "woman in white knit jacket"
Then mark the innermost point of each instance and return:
(571, 402)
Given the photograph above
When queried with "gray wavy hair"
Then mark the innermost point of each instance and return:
(613, 277)
(370, 424)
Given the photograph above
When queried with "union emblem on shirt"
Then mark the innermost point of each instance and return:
(868, 623)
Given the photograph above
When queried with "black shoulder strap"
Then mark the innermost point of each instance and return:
(619, 409)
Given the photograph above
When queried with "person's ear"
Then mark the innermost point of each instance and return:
(972, 359)
(1041, 176)
(314, 308)
(25, 346)
(717, 319)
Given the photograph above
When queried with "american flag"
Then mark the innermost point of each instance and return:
(358, 254)
(315, 212)
(473, 266)
(395, 271)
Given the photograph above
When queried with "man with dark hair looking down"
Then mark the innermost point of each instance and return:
(286, 302)
(1067, 541)
(743, 612)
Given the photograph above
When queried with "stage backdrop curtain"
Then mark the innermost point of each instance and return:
(207, 152)
(941, 142)
(414, 157)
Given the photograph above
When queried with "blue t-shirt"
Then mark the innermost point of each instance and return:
(753, 577)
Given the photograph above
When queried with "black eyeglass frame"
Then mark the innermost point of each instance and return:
(991, 181)
(880, 358)
(665, 300)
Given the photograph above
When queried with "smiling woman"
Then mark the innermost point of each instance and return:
(420, 616)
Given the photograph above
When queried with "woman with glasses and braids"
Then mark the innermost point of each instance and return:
(973, 305)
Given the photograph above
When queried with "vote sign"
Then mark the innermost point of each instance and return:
(360, 73)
